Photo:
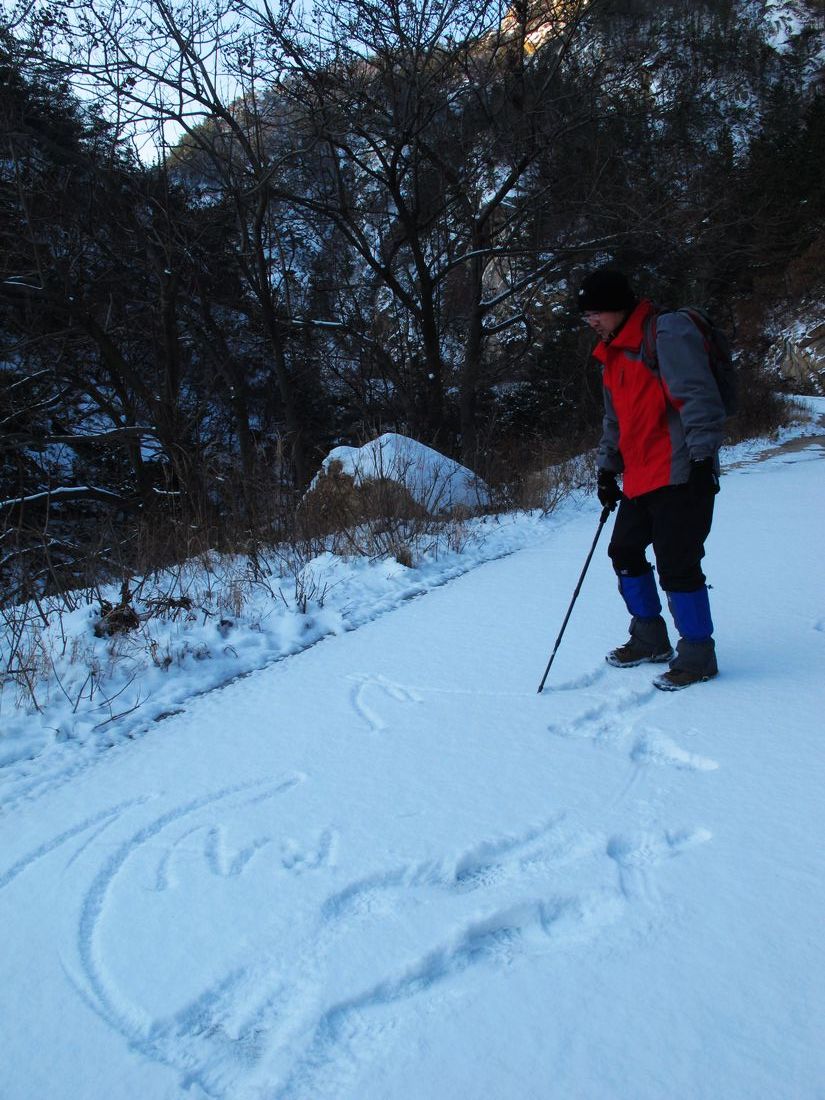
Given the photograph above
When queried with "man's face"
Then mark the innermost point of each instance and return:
(604, 322)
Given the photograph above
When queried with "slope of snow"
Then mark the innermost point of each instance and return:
(385, 868)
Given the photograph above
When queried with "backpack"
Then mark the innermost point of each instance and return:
(717, 346)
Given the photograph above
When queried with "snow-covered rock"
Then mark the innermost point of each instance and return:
(435, 482)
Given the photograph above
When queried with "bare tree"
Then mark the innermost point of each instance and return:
(426, 123)
(189, 76)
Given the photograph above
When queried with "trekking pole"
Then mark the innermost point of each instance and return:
(602, 521)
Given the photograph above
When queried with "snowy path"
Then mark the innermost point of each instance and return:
(386, 869)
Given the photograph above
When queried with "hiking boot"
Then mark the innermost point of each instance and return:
(694, 663)
(677, 678)
(648, 643)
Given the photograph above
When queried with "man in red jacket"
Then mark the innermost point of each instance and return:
(662, 430)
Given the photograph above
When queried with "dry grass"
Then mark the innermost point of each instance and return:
(377, 517)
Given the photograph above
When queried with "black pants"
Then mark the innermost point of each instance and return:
(676, 524)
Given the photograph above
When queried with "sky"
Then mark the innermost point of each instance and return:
(382, 866)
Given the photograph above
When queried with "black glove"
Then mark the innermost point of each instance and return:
(703, 481)
(607, 490)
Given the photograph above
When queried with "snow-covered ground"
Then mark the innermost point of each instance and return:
(385, 868)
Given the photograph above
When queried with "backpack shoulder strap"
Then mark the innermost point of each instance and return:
(650, 330)
(700, 319)
(649, 334)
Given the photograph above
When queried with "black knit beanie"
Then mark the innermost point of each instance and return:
(606, 290)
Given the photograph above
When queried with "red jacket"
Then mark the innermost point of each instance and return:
(657, 421)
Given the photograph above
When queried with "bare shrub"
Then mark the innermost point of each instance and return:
(545, 481)
(25, 665)
(117, 619)
(762, 409)
(376, 517)
(336, 503)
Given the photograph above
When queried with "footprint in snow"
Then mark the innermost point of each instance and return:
(656, 748)
(605, 719)
(652, 848)
(636, 856)
(614, 720)
(370, 685)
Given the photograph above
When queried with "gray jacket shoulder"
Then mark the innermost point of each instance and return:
(686, 374)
